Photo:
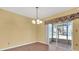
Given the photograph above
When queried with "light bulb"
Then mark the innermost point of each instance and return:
(40, 21)
(33, 21)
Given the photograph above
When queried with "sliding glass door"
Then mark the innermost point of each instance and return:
(64, 40)
(60, 35)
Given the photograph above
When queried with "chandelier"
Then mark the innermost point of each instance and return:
(37, 20)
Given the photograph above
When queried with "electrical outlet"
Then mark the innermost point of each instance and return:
(76, 44)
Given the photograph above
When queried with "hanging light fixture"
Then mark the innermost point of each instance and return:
(37, 20)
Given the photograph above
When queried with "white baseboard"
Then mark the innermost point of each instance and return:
(43, 42)
(22, 45)
(16, 46)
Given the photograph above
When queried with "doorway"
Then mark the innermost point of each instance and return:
(60, 36)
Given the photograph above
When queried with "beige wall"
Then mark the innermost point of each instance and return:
(15, 30)
(42, 33)
(76, 34)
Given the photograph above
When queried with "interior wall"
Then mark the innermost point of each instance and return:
(42, 33)
(76, 34)
(15, 30)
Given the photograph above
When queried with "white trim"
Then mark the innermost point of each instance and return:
(72, 37)
(43, 42)
(22, 45)
(47, 37)
(17, 46)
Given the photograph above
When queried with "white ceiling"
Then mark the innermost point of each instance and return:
(31, 11)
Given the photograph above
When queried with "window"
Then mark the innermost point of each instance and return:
(64, 30)
(50, 31)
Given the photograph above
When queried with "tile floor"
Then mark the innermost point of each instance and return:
(59, 47)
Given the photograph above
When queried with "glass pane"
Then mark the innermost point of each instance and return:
(64, 35)
(70, 31)
(54, 31)
(49, 30)
(50, 33)
(62, 32)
